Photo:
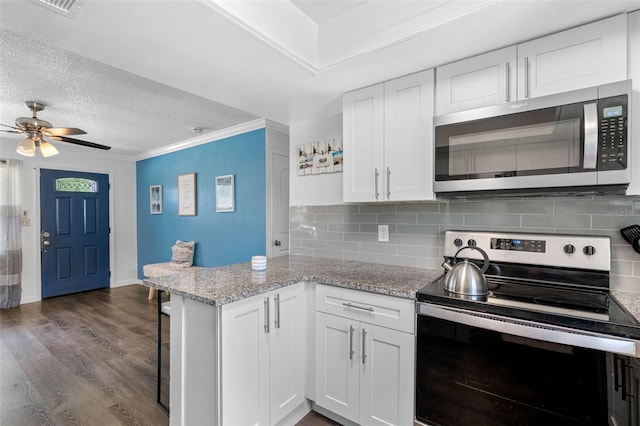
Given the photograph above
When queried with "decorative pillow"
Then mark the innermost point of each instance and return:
(183, 253)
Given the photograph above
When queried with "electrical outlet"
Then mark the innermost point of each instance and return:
(383, 233)
(25, 220)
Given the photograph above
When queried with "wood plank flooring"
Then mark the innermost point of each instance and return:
(88, 358)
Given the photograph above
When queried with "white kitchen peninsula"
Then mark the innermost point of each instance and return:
(243, 344)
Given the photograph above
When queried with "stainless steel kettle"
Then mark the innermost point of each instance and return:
(465, 277)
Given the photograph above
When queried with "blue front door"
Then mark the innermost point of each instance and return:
(74, 231)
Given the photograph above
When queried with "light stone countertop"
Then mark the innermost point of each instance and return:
(230, 283)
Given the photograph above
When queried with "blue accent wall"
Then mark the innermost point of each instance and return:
(221, 238)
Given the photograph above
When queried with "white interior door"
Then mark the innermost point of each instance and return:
(279, 242)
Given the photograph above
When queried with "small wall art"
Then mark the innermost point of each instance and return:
(155, 199)
(187, 194)
(320, 157)
(225, 194)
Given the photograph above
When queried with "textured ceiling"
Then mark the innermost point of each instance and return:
(138, 75)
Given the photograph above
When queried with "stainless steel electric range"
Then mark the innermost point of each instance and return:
(537, 348)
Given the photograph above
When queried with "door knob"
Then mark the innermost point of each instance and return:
(277, 243)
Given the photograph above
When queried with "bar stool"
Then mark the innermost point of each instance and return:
(164, 308)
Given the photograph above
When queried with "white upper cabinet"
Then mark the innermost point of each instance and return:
(581, 57)
(476, 82)
(634, 75)
(388, 140)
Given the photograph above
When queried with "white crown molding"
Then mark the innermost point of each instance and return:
(260, 35)
(249, 126)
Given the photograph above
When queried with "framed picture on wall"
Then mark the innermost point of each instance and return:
(187, 194)
(225, 194)
(155, 199)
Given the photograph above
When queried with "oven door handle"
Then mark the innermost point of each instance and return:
(531, 329)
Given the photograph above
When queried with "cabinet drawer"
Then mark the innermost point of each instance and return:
(386, 311)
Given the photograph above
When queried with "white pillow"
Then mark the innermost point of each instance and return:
(182, 253)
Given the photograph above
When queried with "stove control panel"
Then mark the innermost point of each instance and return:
(536, 246)
(563, 250)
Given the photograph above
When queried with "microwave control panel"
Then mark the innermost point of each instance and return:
(612, 140)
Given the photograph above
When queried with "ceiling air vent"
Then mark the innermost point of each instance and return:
(68, 8)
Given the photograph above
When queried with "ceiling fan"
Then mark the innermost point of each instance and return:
(36, 129)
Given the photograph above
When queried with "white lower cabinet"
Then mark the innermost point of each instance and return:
(263, 357)
(364, 371)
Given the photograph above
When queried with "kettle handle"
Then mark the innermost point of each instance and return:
(485, 266)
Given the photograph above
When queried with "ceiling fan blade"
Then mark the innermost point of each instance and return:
(62, 131)
(79, 142)
(11, 131)
(19, 130)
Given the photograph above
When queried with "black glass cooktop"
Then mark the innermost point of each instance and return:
(587, 309)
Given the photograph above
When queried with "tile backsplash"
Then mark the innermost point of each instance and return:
(416, 231)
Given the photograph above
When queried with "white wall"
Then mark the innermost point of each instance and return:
(314, 190)
(122, 215)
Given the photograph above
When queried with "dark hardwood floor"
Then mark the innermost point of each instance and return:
(88, 358)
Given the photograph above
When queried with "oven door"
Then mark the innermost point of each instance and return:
(467, 375)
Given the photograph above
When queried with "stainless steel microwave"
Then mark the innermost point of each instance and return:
(573, 142)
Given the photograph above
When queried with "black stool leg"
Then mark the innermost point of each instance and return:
(159, 381)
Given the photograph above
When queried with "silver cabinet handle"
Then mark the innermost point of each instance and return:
(266, 315)
(590, 136)
(376, 182)
(526, 77)
(364, 341)
(364, 308)
(276, 302)
(388, 183)
(351, 329)
(507, 71)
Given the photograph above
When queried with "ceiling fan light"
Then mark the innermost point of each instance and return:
(46, 149)
(27, 147)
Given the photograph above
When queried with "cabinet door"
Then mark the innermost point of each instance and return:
(482, 80)
(337, 355)
(287, 351)
(408, 138)
(581, 57)
(387, 376)
(245, 362)
(363, 127)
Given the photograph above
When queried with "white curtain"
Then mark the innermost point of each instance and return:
(10, 233)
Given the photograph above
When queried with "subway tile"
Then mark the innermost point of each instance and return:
(623, 252)
(303, 235)
(329, 254)
(384, 248)
(373, 228)
(440, 219)
(431, 241)
(556, 221)
(343, 227)
(431, 207)
(492, 219)
(360, 257)
(378, 208)
(463, 206)
(313, 244)
(523, 229)
(343, 245)
(360, 237)
(444, 228)
(330, 236)
(622, 267)
(430, 263)
(300, 217)
(302, 251)
(410, 240)
(409, 261)
(636, 269)
(397, 218)
(418, 229)
(328, 218)
(360, 218)
(343, 208)
(316, 209)
(419, 251)
(613, 222)
(607, 207)
(521, 206)
(625, 283)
